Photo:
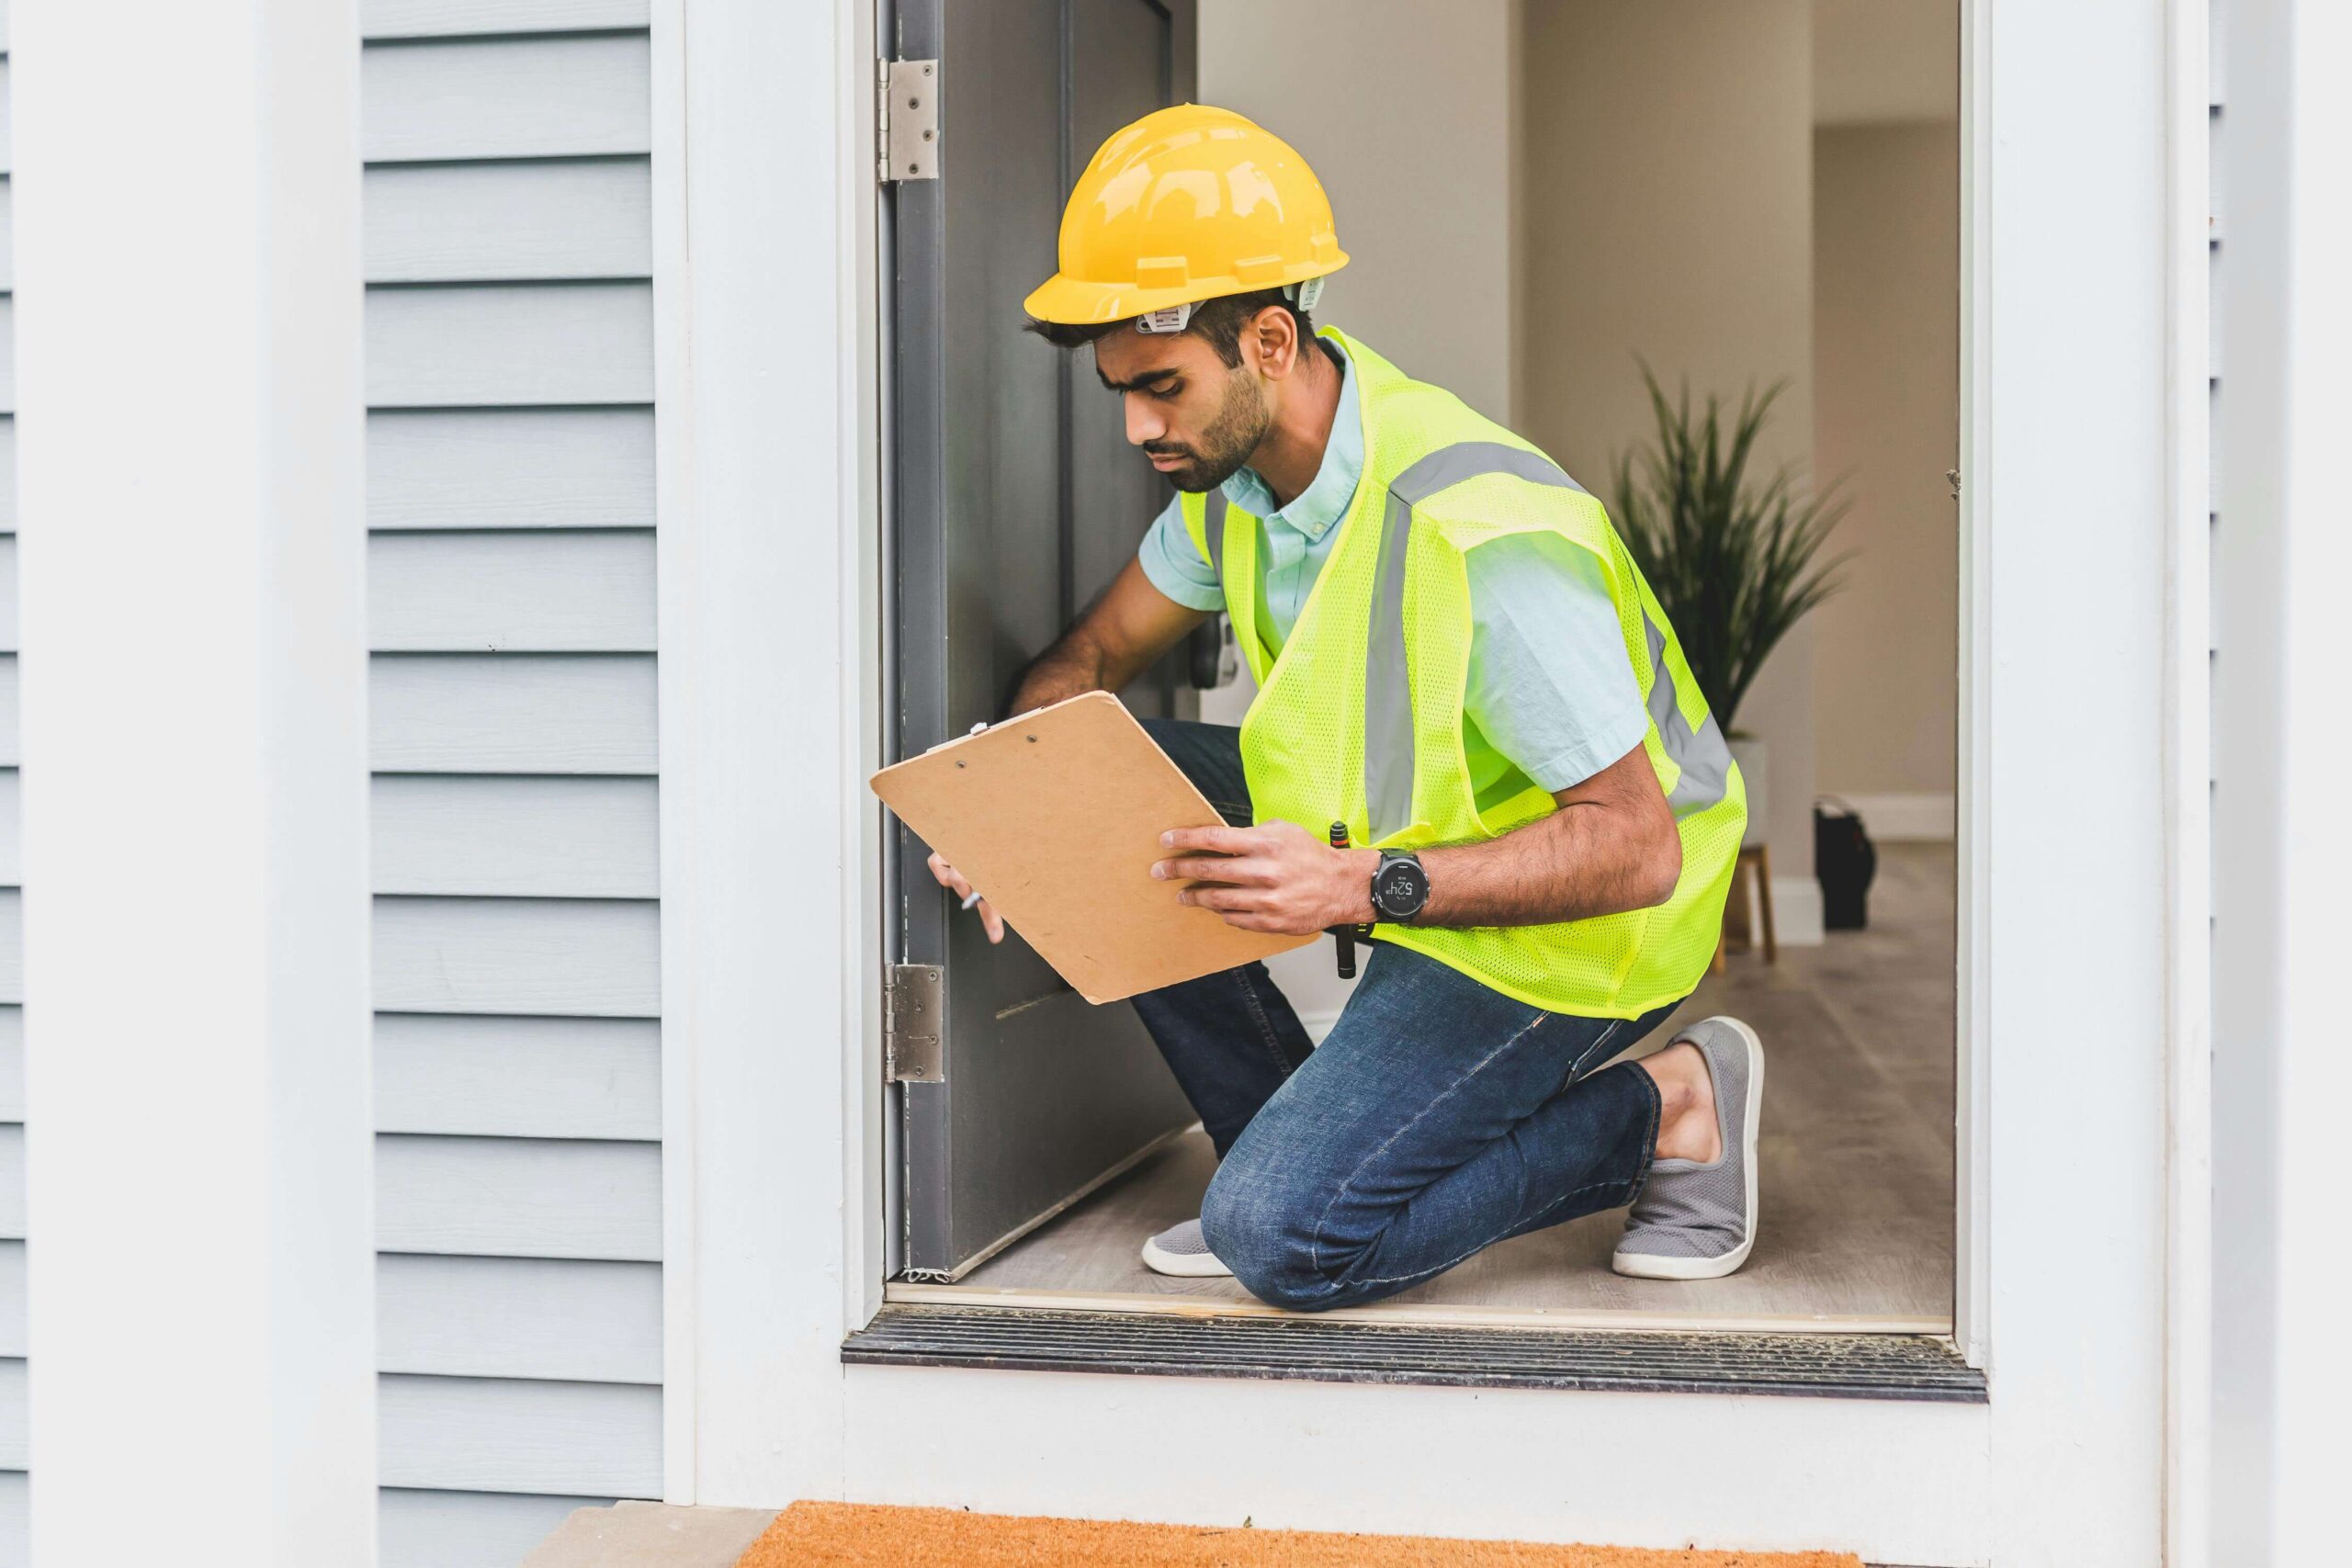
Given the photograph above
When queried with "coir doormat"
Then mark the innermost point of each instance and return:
(864, 1535)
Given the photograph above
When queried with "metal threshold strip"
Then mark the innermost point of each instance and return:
(1821, 1366)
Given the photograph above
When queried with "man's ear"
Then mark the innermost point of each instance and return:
(1276, 331)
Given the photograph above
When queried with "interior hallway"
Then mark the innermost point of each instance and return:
(1857, 1159)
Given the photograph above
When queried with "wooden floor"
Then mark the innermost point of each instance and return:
(1856, 1162)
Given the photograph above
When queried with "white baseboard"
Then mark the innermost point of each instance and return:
(1796, 912)
(1921, 817)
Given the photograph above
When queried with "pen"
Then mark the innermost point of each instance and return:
(1345, 935)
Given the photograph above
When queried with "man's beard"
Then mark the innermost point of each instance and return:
(1240, 423)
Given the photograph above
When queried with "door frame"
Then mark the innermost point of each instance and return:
(2082, 345)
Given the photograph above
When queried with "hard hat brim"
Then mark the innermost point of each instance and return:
(1078, 301)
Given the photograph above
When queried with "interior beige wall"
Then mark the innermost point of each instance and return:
(1886, 377)
(1666, 183)
(1404, 109)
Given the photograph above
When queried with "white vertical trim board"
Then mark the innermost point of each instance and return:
(193, 560)
(2072, 277)
(2187, 1481)
(672, 475)
(2314, 255)
(767, 461)
(2255, 560)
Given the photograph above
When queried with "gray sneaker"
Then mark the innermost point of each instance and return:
(1694, 1221)
(1180, 1250)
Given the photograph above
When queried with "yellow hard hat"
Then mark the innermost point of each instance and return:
(1187, 203)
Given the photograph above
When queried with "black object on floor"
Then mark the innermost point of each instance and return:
(1844, 860)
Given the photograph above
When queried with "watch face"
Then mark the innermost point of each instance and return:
(1401, 888)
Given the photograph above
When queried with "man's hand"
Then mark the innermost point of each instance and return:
(1278, 878)
(953, 880)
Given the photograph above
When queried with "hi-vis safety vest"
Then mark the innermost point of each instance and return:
(1360, 718)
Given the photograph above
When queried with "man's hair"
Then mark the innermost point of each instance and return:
(1217, 322)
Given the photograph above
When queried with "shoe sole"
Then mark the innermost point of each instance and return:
(1184, 1265)
(1649, 1265)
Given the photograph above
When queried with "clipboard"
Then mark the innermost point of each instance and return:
(1055, 818)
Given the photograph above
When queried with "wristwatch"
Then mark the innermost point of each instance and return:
(1400, 888)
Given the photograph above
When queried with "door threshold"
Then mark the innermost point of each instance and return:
(986, 1298)
(1212, 1343)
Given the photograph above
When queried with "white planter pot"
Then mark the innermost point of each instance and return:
(1754, 756)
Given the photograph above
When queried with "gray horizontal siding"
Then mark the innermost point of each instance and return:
(7, 354)
(8, 593)
(506, 469)
(475, 223)
(416, 18)
(15, 1449)
(565, 1320)
(506, 98)
(508, 250)
(468, 1529)
(7, 149)
(7, 475)
(515, 343)
(541, 591)
(12, 858)
(12, 941)
(15, 1529)
(500, 1434)
(7, 234)
(519, 1197)
(12, 1064)
(12, 1298)
(518, 1078)
(12, 1182)
(561, 958)
(10, 755)
(520, 837)
(511, 714)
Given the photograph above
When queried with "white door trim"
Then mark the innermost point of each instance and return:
(771, 667)
(768, 599)
(2188, 768)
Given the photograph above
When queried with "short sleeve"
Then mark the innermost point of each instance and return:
(1175, 566)
(1551, 685)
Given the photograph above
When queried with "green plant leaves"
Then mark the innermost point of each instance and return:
(1730, 558)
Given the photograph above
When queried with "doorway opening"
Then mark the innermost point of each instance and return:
(1539, 200)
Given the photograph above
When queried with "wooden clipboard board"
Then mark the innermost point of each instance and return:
(1055, 818)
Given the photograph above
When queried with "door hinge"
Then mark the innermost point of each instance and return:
(907, 130)
(914, 1025)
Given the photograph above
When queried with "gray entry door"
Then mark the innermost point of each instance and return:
(1017, 498)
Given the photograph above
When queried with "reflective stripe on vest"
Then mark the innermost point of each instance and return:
(1702, 757)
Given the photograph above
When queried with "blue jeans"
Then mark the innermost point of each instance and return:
(1437, 1118)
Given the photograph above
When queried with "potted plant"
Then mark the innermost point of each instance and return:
(1729, 553)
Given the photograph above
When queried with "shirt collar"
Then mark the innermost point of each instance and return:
(1326, 501)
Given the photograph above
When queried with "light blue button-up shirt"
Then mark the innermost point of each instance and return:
(1551, 693)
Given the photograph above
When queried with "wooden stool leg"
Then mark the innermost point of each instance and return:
(1764, 898)
(1739, 932)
